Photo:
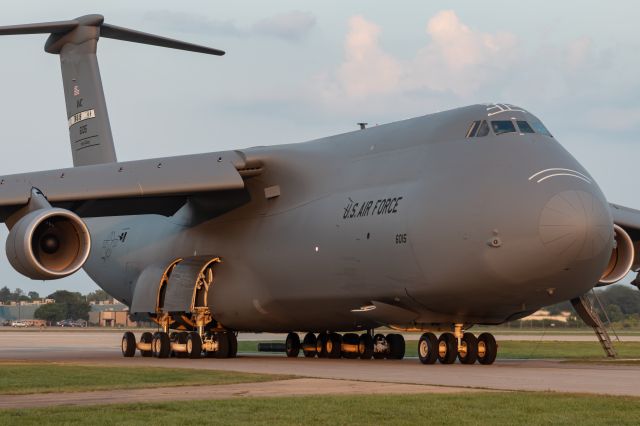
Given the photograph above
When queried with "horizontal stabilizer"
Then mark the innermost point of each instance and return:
(125, 34)
(40, 28)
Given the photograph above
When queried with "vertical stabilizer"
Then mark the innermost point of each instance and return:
(89, 128)
(76, 42)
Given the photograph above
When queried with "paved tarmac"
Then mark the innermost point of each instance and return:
(100, 348)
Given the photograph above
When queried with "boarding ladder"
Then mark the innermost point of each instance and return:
(586, 311)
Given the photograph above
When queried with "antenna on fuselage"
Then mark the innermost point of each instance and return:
(362, 125)
(76, 42)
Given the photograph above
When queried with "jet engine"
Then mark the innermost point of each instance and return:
(48, 244)
(621, 260)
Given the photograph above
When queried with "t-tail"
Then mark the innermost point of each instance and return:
(76, 42)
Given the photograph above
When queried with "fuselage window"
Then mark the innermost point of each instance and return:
(473, 129)
(524, 127)
(483, 130)
(503, 126)
(539, 128)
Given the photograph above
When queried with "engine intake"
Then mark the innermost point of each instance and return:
(48, 244)
(621, 260)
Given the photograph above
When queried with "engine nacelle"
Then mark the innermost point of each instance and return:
(621, 260)
(47, 244)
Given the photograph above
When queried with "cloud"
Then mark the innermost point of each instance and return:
(367, 68)
(454, 59)
(195, 24)
(290, 26)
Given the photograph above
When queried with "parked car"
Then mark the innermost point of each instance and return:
(72, 323)
(19, 324)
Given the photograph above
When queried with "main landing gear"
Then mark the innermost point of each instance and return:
(464, 346)
(350, 346)
(183, 344)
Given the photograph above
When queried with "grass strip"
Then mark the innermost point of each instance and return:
(514, 408)
(27, 378)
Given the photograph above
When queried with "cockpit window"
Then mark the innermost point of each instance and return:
(524, 127)
(483, 130)
(539, 128)
(473, 129)
(503, 126)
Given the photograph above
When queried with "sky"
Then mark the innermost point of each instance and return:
(297, 70)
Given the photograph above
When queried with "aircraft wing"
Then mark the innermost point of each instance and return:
(132, 184)
(627, 218)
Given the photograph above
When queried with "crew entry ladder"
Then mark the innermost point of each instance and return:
(586, 311)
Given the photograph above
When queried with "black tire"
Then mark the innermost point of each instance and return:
(161, 345)
(182, 339)
(351, 340)
(468, 352)
(309, 342)
(146, 338)
(428, 348)
(447, 348)
(487, 349)
(292, 345)
(365, 346)
(321, 345)
(233, 345)
(128, 344)
(377, 338)
(396, 346)
(194, 345)
(173, 337)
(334, 346)
(223, 345)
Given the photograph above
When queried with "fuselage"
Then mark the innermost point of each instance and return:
(414, 216)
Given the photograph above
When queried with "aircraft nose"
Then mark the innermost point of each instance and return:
(575, 225)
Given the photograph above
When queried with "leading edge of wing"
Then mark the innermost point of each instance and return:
(625, 217)
(180, 175)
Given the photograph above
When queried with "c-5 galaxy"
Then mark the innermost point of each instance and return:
(471, 216)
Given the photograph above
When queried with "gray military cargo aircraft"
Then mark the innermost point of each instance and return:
(471, 216)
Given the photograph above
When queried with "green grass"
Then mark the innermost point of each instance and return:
(37, 377)
(453, 409)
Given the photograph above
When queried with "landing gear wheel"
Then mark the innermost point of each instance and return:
(194, 345)
(223, 345)
(173, 337)
(379, 342)
(350, 346)
(365, 346)
(148, 339)
(182, 339)
(333, 347)
(487, 349)
(233, 345)
(128, 345)
(161, 345)
(396, 346)
(309, 345)
(468, 351)
(447, 348)
(321, 345)
(428, 348)
(292, 345)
